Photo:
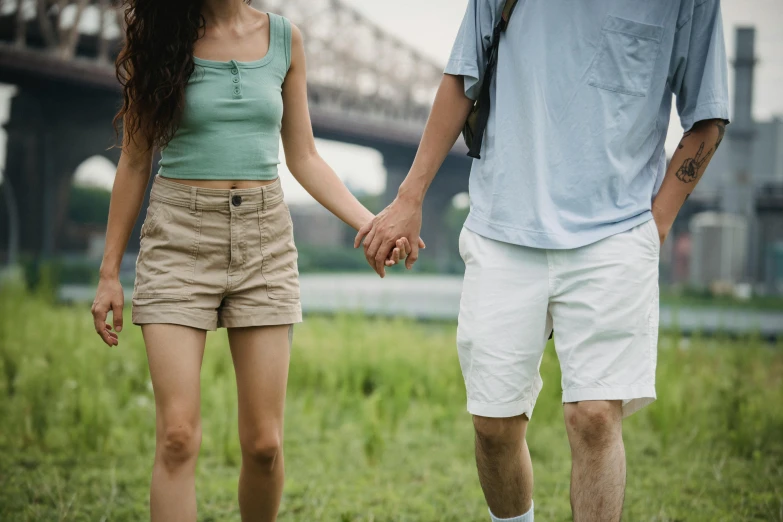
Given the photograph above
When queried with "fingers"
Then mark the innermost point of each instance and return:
(395, 257)
(383, 252)
(112, 336)
(369, 238)
(411, 259)
(116, 316)
(99, 313)
(401, 251)
(405, 246)
(373, 245)
(362, 232)
(98, 317)
(421, 243)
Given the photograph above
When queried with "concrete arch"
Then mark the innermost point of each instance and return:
(51, 130)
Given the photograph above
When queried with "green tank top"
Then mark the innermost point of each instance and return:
(230, 127)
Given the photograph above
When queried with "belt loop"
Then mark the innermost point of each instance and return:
(193, 194)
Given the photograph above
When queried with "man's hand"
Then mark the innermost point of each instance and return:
(663, 225)
(400, 220)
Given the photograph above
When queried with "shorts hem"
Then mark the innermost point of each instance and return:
(505, 410)
(634, 397)
(157, 315)
(273, 317)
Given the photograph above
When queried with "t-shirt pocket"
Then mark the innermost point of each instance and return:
(626, 56)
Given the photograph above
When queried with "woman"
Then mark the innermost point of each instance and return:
(214, 84)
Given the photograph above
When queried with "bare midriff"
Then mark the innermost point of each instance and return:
(224, 184)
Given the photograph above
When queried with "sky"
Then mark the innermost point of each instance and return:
(430, 26)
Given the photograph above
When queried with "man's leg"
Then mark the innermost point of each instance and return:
(595, 432)
(504, 467)
(605, 312)
(502, 332)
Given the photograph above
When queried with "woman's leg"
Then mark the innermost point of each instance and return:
(261, 356)
(175, 354)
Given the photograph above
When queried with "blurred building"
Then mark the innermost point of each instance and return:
(316, 226)
(739, 239)
(715, 256)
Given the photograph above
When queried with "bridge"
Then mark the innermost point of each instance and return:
(366, 88)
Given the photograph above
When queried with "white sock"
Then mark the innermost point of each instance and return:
(527, 517)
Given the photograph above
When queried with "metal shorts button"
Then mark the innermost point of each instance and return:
(236, 200)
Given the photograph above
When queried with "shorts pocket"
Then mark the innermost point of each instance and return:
(653, 322)
(626, 56)
(167, 257)
(153, 212)
(279, 253)
(461, 242)
(652, 234)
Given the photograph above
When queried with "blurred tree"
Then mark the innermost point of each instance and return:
(88, 205)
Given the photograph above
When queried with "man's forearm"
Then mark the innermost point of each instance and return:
(689, 162)
(444, 125)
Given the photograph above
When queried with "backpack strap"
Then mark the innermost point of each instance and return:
(508, 9)
(483, 102)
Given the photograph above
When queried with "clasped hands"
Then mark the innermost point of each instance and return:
(392, 236)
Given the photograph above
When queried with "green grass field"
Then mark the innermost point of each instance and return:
(376, 428)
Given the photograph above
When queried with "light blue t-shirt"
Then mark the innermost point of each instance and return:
(574, 147)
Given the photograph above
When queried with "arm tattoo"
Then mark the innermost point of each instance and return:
(689, 170)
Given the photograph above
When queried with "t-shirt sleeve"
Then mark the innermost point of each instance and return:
(469, 54)
(699, 70)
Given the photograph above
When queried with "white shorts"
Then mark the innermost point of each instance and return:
(602, 300)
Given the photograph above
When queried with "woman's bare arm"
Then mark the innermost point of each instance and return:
(302, 158)
(127, 195)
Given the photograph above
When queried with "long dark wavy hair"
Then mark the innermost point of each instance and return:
(155, 65)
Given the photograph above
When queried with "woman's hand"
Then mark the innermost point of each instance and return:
(402, 250)
(109, 296)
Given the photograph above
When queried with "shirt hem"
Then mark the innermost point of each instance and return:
(259, 175)
(468, 71)
(548, 240)
(716, 110)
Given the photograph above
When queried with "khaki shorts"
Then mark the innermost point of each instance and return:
(216, 258)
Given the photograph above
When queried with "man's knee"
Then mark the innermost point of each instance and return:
(494, 434)
(594, 423)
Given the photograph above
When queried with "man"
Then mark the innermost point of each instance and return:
(569, 204)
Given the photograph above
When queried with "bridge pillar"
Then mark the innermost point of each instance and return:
(25, 165)
(51, 131)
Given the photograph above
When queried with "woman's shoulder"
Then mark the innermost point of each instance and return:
(288, 34)
(279, 19)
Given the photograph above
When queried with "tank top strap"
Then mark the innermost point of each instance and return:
(281, 36)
